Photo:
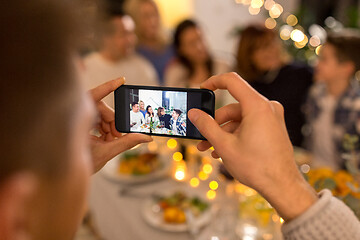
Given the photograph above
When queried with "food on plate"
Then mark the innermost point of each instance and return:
(174, 207)
(135, 163)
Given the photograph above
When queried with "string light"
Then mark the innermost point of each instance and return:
(254, 11)
(317, 50)
(269, 4)
(285, 33)
(270, 23)
(291, 20)
(297, 35)
(257, 3)
(276, 10)
(203, 176)
(314, 41)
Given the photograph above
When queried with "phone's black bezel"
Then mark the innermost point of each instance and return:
(122, 103)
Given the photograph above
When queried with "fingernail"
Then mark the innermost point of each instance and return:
(123, 78)
(193, 115)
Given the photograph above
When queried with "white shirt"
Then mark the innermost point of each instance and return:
(323, 141)
(136, 70)
(138, 119)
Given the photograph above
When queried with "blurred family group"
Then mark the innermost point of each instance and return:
(322, 105)
(139, 116)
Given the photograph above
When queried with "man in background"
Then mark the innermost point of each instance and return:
(117, 57)
(136, 117)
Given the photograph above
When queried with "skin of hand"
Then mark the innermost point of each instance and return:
(251, 138)
(111, 142)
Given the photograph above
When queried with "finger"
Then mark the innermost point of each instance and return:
(105, 89)
(215, 155)
(126, 142)
(107, 113)
(228, 113)
(105, 127)
(248, 98)
(203, 146)
(228, 127)
(114, 131)
(208, 127)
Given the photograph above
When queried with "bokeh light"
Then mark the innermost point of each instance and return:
(254, 11)
(211, 194)
(317, 50)
(257, 3)
(213, 185)
(180, 174)
(172, 143)
(177, 156)
(194, 182)
(285, 32)
(207, 168)
(269, 4)
(314, 41)
(276, 10)
(270, 23)
(203, 176)
(297, 35)
(291, 20)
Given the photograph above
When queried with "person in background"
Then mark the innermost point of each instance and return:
(177, 125)
(262, 61)
(193, 63)
(152, 43)
(164, 117)
(142, 107)
(333, 106)
(136, 117)
(116, 56)
(150, 115)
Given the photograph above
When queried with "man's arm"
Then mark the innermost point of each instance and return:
(251, 138)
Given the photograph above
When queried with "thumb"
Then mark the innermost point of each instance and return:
(126, 142)
(207, 126)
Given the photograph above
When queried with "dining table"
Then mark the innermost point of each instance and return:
(117, 207)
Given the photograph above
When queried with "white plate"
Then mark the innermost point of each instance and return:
(155, 219)
(110, 171)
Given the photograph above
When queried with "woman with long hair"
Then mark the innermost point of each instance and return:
(193, 63)
(264, 63)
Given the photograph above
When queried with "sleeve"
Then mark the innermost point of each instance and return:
(328, 218)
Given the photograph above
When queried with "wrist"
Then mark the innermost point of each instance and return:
(291, 197)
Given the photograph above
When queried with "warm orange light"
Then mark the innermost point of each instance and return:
(207, 168)
(194, 182)
(291, 20)
(276, 10)
(171, 143)
(254, 11)
(203, 176)
(270, 23)
(211, 194)
(180, 174)
(177, 156)
(213, 185)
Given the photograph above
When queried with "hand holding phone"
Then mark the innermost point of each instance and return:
(169, 106)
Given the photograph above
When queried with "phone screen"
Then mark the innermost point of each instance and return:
(160, 111)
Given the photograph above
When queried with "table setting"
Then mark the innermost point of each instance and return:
(168, 190)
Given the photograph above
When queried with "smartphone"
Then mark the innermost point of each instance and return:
(160, 111)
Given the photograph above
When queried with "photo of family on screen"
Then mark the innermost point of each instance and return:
(158, 112)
